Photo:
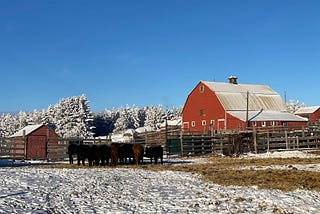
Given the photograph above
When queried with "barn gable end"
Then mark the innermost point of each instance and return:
(36, 138)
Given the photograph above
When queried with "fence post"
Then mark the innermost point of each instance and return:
(255, 141)
(192, 144)
(221, 143)
(268, 141)
(287, 140)
(181, 143)
(297, 137)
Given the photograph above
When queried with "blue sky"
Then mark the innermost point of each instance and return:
(154, 52)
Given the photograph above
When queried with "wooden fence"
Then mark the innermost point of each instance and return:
(56, 148)
(13, 149)
(254, 141)
(178, 143)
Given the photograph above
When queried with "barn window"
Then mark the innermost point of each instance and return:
(193, 123)
(185, 125)
(264, 124)
(203, 122)
(201, 88)
(201, 112)
(273, 123)
(254, 123)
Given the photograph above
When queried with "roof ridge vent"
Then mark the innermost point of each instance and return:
(233, 79)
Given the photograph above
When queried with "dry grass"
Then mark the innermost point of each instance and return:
(227, 171)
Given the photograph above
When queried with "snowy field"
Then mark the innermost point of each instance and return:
(27, 189)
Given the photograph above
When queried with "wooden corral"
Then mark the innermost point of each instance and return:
(175, 142)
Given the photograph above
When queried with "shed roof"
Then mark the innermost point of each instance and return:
(307, 110)
(233, 97)
(267, 116)
(28, 130)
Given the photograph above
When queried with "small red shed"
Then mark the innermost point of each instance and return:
(233, 106)
(312, 113)
(36, 138)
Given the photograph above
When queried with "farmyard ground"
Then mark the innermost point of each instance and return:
(30, 189)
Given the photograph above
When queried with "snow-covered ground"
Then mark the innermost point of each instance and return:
(120, 190)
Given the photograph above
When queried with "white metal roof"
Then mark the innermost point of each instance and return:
(233, 97)
(267, 116)
(28, 129)
(307, 110)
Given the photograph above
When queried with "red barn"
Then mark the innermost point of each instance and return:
(36, 140)
(312, 113)
(222, 106)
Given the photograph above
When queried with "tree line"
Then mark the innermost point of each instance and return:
(72, 117)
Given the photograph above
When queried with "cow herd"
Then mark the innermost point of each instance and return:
(116, 153)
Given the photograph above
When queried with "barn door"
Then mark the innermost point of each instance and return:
(36, 147)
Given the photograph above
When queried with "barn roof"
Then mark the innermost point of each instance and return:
(307, 110)
(233, 97)
(28, 130)
(267, 116)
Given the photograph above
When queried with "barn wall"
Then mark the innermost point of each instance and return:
(37, 143)
(203, 105)
(315, 117)
(235, 123)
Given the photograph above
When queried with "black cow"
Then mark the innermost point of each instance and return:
(101, 154)
(95, 154)
(154, 152)
(125, 153)
(86, 152)
(72, 150)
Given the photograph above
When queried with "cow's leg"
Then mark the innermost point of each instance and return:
(155, 159)
(70, 159)
(79, 160)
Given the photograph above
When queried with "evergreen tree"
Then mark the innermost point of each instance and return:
(7, 125)
(154, 116)
(104, 122)
(73, 117)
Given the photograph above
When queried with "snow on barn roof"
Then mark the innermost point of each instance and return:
(28, 129)
(233, 97)
(267, 116)
(307, 110)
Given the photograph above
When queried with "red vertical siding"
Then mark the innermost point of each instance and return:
(37, 143)
(201, 105)
(315, 117)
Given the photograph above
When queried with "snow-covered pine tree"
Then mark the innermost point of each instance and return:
(124, 120)
(154, 116)
(7, 125)
(294, 105)
(21, 120)
(104, 122)
(73, 117)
